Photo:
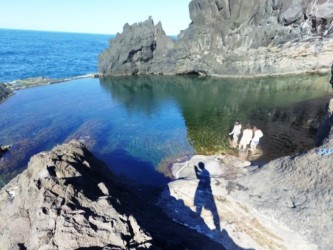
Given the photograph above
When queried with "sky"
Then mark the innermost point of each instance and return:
(92, 16)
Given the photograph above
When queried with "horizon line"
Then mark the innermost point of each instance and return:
(70, 32)
(56, 31)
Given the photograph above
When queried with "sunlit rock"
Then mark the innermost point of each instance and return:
(237, 37)
(285, 204)
(63, 201)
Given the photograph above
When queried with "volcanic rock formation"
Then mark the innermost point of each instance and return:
(63, 200)
(67, 199)
(234, 37)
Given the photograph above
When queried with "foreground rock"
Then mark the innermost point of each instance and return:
(236, 37)
(67, 199)
(63, 201)
(286, 204)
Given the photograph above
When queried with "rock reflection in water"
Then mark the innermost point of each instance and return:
(287, 109)
(158, 119)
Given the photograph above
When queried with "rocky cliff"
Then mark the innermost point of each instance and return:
(285, 204)
(234, 37)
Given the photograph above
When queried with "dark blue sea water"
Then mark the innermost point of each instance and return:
(25, 54)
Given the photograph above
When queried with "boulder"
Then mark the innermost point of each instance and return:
(237, 37)
(63, 200)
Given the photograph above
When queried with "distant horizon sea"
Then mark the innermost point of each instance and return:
(28, 54)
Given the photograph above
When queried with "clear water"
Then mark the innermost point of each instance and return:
(137, 125)
(26, 54)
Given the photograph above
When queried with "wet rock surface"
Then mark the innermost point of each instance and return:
(237, 37)
(285, 204)
(4, 92)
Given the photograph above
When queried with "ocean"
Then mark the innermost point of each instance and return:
(25, 54)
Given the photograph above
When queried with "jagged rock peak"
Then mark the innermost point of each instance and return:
(232, 37)
(134, 48)
(64, 200)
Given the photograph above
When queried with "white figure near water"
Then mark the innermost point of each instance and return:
(256, 138)
(246, 137)
(235, 134)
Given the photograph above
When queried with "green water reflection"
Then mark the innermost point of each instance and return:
(139, 123)
(287, 109)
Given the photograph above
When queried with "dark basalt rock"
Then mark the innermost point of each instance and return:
(235, 37)
(4, 92)
(133, 51)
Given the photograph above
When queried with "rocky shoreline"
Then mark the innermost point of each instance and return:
(8, 89)
(293, 191)
(285, 204)
(68, 199)
(40, 81)
(69, 194)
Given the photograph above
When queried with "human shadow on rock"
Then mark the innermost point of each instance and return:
(139, 200)
(177, 209)
(203, 195)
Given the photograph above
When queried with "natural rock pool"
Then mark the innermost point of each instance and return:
(140, 124)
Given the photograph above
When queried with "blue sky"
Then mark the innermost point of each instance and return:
(92, 16)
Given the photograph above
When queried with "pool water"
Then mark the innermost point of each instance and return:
(138, 123)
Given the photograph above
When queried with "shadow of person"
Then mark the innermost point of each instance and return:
(203, 197)
(177, 209)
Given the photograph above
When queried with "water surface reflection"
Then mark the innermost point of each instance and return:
(287, 109)
(136, 123)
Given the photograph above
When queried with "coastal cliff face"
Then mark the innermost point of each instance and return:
(235, 37)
